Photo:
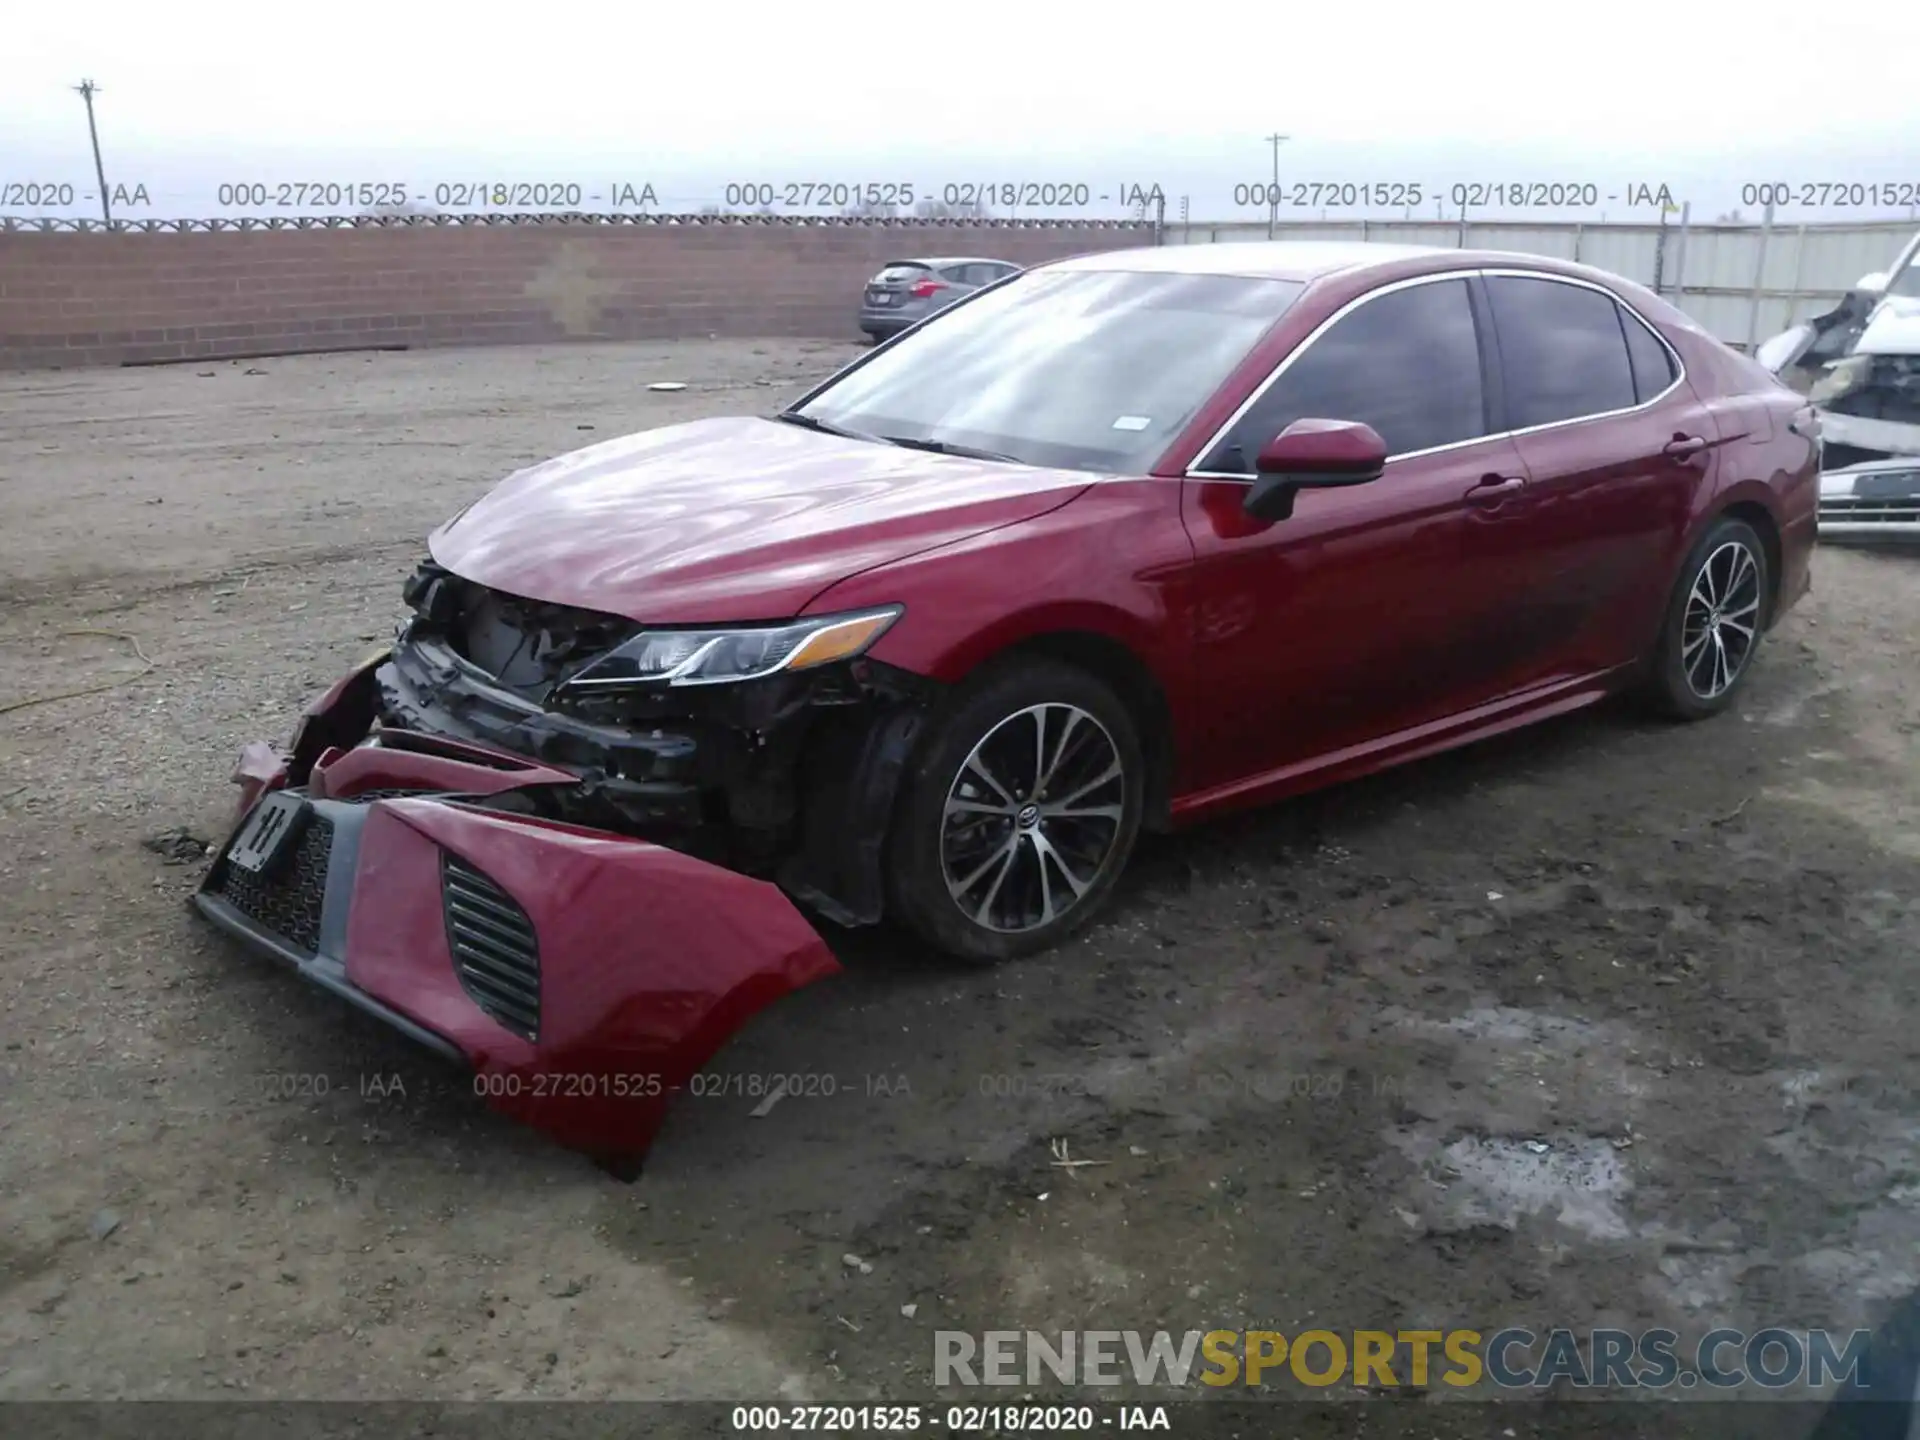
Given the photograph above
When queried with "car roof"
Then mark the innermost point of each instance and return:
(949, 260)
(1302, 260)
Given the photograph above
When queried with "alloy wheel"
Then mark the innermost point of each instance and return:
(1031, 819)
(1721, 621)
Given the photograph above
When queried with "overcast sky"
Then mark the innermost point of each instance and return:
(692, 97)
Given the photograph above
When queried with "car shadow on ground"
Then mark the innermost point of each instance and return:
(882, 957)
(373, 1090)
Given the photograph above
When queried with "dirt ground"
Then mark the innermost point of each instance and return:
(1607, 1023)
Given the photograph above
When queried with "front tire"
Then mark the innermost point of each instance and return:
(1714, 623)
(1019, 813)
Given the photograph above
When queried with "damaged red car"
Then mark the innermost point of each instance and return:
(1122, 542)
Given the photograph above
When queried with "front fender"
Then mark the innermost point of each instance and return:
(1115, 563)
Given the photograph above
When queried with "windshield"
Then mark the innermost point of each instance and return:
(1086, 370)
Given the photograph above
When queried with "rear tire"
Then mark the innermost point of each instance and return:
(1715, 621)
(1018, 814)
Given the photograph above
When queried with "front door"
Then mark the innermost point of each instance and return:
(1373, 609)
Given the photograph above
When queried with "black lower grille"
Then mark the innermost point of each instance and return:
(495, 951)
(287, 902)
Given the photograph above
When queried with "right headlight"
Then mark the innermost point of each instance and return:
(725, 654)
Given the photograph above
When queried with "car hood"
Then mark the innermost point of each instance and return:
(1893, 330)
(728, 519)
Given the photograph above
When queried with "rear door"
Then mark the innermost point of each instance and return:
(1616, 446)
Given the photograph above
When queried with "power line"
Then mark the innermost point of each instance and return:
(87, 91)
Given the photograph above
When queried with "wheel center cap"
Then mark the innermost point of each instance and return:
(1028, 818)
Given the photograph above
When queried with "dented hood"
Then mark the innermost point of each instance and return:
(1894, 328)
(728, 519)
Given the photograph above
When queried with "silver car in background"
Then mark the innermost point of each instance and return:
(905, 292)
(1873, 501)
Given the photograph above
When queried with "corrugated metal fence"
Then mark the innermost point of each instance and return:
(1741, 282)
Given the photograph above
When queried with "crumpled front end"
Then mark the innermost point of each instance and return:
(1869, 407)
(789, 777)
(1860, 366)
(581, 976)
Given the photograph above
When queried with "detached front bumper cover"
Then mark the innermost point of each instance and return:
(582, 977)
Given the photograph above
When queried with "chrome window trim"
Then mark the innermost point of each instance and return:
(1482, 272)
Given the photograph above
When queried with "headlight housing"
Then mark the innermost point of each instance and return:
(1784, 349)
(725, 655)
(1843, 377)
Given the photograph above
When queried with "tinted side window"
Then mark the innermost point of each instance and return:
(1406, 363)
(1652, 365)
(1562, 353)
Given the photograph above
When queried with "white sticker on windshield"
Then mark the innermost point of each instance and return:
(1133, 422)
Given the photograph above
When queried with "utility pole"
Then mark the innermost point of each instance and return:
(87, 91)
(1273, 195)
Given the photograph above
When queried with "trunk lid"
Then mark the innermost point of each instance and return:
(893, 287)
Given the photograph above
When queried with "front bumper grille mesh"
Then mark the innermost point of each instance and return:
(495, 950)
(288, 902)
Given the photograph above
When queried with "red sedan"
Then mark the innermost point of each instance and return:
(1122, 542)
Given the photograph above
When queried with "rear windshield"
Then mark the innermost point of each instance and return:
(896, 270)
(1086, 370)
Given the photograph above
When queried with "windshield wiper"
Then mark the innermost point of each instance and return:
(947, 447)
(827, 427)
(937, 447)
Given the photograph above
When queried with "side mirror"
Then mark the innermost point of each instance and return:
(1313, 455)
(1874, 284)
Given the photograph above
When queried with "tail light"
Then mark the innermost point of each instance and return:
(924, 288)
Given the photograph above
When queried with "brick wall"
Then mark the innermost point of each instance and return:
(95, 297)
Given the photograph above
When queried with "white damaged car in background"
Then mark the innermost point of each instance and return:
(1860, 366)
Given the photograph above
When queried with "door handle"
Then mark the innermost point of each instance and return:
(1495, 489)
(1683, 447)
